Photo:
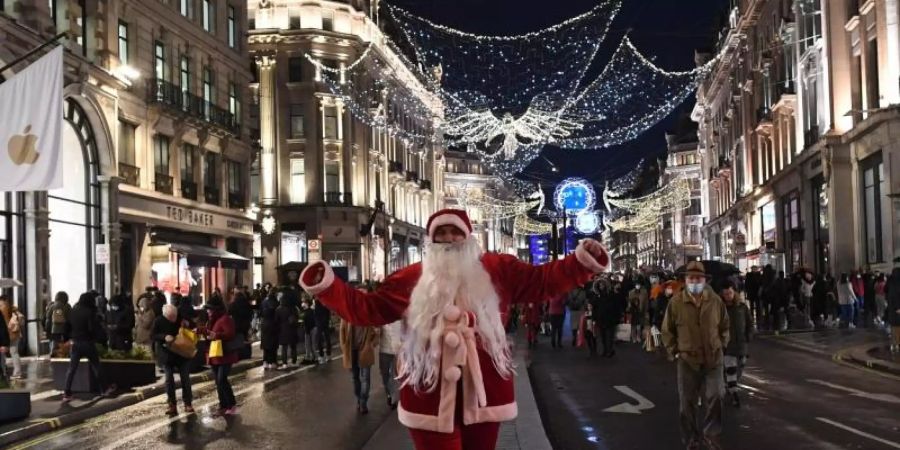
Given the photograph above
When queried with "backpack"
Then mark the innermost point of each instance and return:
(58, 320)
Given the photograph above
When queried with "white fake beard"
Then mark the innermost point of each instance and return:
(450, 272)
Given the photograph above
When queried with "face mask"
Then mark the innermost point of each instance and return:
(668, 292)
(695, 288)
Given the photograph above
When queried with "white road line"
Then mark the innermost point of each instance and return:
(755, 378)
(859, 433)
(241, 392)
(750, 388)
(888, 398)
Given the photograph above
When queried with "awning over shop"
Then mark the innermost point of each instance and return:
(200, 255)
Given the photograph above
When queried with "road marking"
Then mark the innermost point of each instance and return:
(859, 433)
(888, 398)
(628, 408)
(243, 391)
(755, 378)
(750, 388)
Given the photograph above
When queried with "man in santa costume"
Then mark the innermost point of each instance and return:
(454, 361)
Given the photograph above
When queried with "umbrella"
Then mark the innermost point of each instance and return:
(714, 269)
(6, 283)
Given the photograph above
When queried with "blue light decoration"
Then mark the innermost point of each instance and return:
(539, 246)
(574, 196)
(587, 222)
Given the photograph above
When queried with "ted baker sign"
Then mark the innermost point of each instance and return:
(190, 217)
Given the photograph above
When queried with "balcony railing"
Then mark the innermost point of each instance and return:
(395, 166)
(163, 183)
(189, 189)
(130, 174)
(236, 200)
(211, 195)
(763, 114)
(168, 94)
(811, 136)
(332, 198)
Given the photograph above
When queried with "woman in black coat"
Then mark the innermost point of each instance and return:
(269, 330)
(287, 317)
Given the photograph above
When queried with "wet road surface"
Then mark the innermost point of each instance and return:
(792, 399)
(312, 408)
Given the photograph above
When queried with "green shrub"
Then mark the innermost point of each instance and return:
(135, 354)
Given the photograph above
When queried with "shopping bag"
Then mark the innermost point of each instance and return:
(216, 349)
(183, 346)
(657, 336)
(188, 334)
(623, 332)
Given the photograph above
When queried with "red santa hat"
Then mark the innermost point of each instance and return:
(456, 217)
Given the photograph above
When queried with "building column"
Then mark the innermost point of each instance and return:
(37, 267)
(842, 211)
(112, 230)
(267, 131)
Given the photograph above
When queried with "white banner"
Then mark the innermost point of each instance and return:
(31, 117)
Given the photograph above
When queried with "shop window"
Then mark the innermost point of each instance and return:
(298, 181)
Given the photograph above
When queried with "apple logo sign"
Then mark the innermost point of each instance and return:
(21, 147)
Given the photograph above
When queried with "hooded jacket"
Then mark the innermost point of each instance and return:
(84, 321)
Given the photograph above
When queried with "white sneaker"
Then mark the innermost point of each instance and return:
(282, 367)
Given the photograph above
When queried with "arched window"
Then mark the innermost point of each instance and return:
(74, 210)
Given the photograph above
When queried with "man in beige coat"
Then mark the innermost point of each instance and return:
(695, 331)
(358, 348)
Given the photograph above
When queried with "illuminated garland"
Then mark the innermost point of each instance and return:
(494, 208)
(347, 67)
(527, 226)
(535, 126)
(645, 213)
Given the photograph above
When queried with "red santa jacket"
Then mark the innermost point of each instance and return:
(486, 395)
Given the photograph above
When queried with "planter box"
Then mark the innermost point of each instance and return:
(124, 374)
(15, 404)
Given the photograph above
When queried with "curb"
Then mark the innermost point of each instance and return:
(858, 356)
(46, 425)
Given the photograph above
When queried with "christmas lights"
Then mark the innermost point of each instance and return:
(574, 196)
(534, 126)
(644, 213)
(494, 208)
(527, 226)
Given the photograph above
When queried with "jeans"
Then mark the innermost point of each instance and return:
(388, 368)
(17, 361)
(223, 386)
(83, 349)
(55, 341)
(556, 324)
(591, 341)
(309, 346)
(361, 378)
(184, 374)
(323, 340)
(608, 337)
(284, 353)
(847, 314)
(707, 385)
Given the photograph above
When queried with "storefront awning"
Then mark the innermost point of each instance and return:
(199, 255)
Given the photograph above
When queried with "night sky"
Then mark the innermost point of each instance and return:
(667, 31)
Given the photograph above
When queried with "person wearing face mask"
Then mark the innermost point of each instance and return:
(695, 331)
(144, 318)
(119, 323)
(741, 324)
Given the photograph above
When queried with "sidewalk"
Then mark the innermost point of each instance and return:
(873, 356)
(526, 432)
(863, 347)
(48, 413)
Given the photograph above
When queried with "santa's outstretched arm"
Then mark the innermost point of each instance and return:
(528, 283)
(385, 305)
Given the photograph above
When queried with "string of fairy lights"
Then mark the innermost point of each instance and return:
(494, 208)
(644, 213)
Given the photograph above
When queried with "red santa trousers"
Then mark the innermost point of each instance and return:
(478, 436)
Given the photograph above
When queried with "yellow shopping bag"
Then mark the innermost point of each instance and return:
(215, 349)
(188, 334)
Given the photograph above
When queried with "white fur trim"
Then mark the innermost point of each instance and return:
(588, 261)
(500, 413)
(327, 279)
(448, 219)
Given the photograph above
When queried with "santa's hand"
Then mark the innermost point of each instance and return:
(313, 274)
(592, 255)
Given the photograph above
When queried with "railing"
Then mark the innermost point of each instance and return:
(332, 198)
(236, 200)
(811, 136)
(395, 166)
(171, 95)
(131, 174)
(189, 190)
(348, 199)
(211, 195)
(412, 176)
(425, 185)
(163, 183)
(763, 114)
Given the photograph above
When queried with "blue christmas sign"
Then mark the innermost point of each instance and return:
(574, 195)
